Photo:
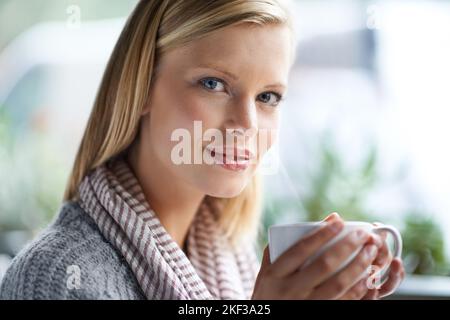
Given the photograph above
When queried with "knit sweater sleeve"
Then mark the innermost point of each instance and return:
(40, 272)
(69, 260)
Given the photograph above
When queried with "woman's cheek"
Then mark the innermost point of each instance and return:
(193, 116)
(267, 132)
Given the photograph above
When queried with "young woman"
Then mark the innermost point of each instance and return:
(138, 223)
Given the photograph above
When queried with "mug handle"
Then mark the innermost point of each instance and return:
(398, 244)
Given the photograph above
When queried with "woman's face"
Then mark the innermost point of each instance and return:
(230, 81)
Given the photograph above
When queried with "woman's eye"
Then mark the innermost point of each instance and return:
(270, 98)
(213, 84)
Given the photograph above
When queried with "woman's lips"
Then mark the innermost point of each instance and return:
(233, 159)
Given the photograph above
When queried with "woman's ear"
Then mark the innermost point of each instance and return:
(146, 109)
(147, 105)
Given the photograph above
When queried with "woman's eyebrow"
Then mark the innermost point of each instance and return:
(235, 77)
(220, 69)
(276, 85)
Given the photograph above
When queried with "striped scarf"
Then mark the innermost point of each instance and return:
(211, 268)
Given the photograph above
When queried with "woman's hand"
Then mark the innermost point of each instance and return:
(382, 261)
(396, 274)
(285, 279)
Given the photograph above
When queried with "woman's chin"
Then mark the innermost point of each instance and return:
(226, 189)
(225, 194)
(218, 182)
(222, 183)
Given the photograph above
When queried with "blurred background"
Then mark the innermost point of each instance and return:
(364, 128)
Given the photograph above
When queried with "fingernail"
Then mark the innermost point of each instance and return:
(332, 216)
(335, 226)
(378, 241)
(335, 214)
(371, 251)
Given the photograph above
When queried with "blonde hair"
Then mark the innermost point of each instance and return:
(153, 28)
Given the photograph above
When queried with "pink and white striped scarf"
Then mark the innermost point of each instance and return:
(212, 267)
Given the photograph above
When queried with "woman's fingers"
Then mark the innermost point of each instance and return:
(371, 295)
(357, 292)
(384, 257)
(291, 260)
(265, 263)
(383, 260)
(376, 240)
(396, 275)
(265, 259)
(345, 279)
(332, 216)
(332, 259)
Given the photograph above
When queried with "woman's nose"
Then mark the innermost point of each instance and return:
(243, 116)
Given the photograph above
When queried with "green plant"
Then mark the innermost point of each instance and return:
(333, 186)
(424, 247)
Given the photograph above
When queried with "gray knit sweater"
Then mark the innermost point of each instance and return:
(70, 259)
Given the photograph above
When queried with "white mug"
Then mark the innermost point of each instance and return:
(282, 237)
